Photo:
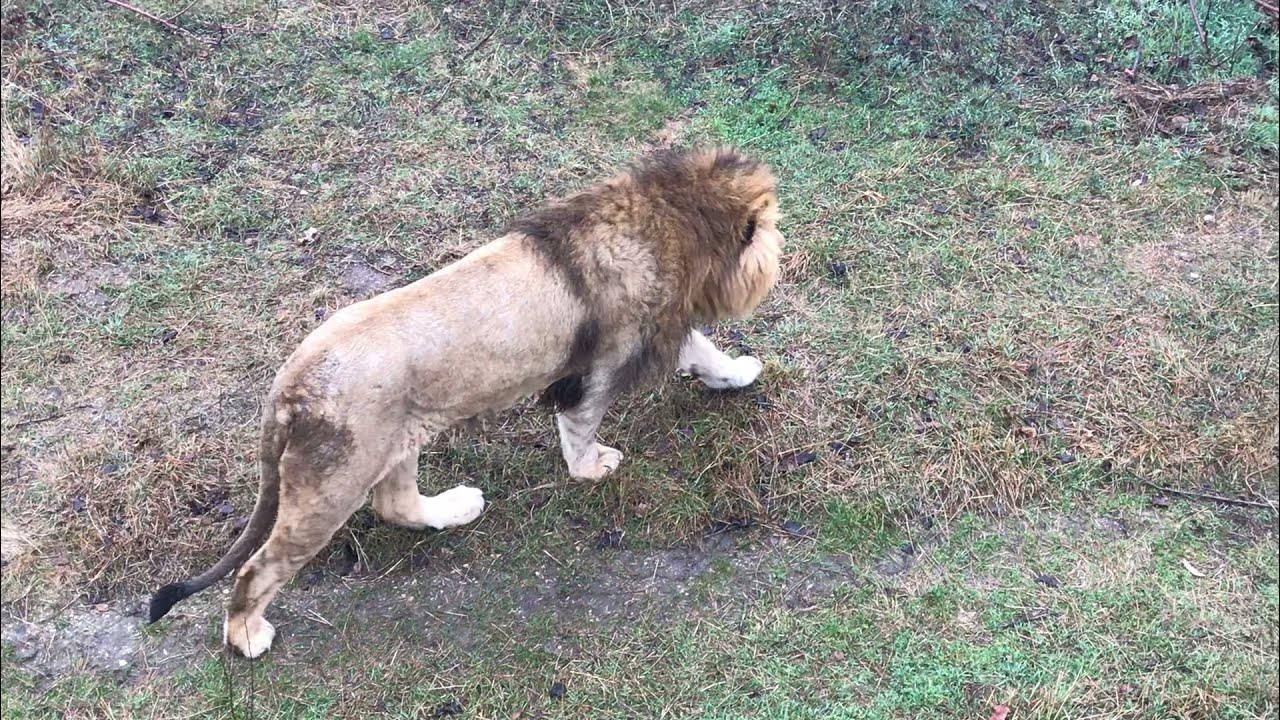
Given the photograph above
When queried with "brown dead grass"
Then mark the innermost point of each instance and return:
(1128, 386)
(1169, 108)
(59, 208)
(17, 162)
(109, 447)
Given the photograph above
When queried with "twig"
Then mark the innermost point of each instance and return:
(1212, 498)
(444, 94)
(150, 16)
(1132, 72)
(1024, 618)
(477, 46)
(1204, 38)
(917, 228)
(46, 418)
(544, 486)
(183, 11)
(36, 421)
(318, 618)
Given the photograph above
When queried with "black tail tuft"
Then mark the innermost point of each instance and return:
(166, 597)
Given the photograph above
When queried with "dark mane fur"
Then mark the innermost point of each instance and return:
(689, 215)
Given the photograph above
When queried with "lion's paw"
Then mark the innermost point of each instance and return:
(739, 373)
(250, 637)
(606, 461)
(457, 506)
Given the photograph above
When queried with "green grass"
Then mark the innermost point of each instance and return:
(1015, 297)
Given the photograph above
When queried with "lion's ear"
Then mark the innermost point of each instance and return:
(750, 231)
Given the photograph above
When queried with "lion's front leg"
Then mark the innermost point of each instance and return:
(397, 500)
(718, 371)
(586, 458)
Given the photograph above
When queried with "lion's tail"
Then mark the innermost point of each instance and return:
(274, 437)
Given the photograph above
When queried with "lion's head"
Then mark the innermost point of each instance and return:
(737, 198)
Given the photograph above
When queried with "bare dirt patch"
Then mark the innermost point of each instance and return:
(361, 281)
(1214, 248)
(95, 640)
(454, 602)
(84, 285)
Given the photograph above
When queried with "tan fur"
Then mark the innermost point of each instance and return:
(588, 296)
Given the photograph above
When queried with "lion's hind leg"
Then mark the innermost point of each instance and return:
(314, 503)
(396, 499)
(716, 370)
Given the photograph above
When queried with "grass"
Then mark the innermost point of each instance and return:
(1031, 273)
(1014, 615)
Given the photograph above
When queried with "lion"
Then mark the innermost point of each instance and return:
(582, 301)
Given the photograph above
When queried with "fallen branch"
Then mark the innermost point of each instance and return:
(1210, 497)
(152, 17)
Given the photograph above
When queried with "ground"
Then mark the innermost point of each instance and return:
(1013, 454)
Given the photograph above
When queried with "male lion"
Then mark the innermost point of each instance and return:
(581, 300)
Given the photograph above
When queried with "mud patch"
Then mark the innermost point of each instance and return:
(896, 562)
(577, 593)
(102, 641)
(589, 591)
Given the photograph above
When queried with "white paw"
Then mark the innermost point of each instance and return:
(457, 506)
(746, 370)
(740, 373)
(250, 638)
(606, 460)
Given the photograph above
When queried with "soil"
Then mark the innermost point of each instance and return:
(601, 587)
(598, 587)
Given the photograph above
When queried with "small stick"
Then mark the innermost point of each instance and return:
(472, 51)
(1207, 496)
(1024, 618)
(444, 94)
(46, 418)
(1132, 72)
(1204, 38)
(36, 421)
(150, 16)
(183, 11)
